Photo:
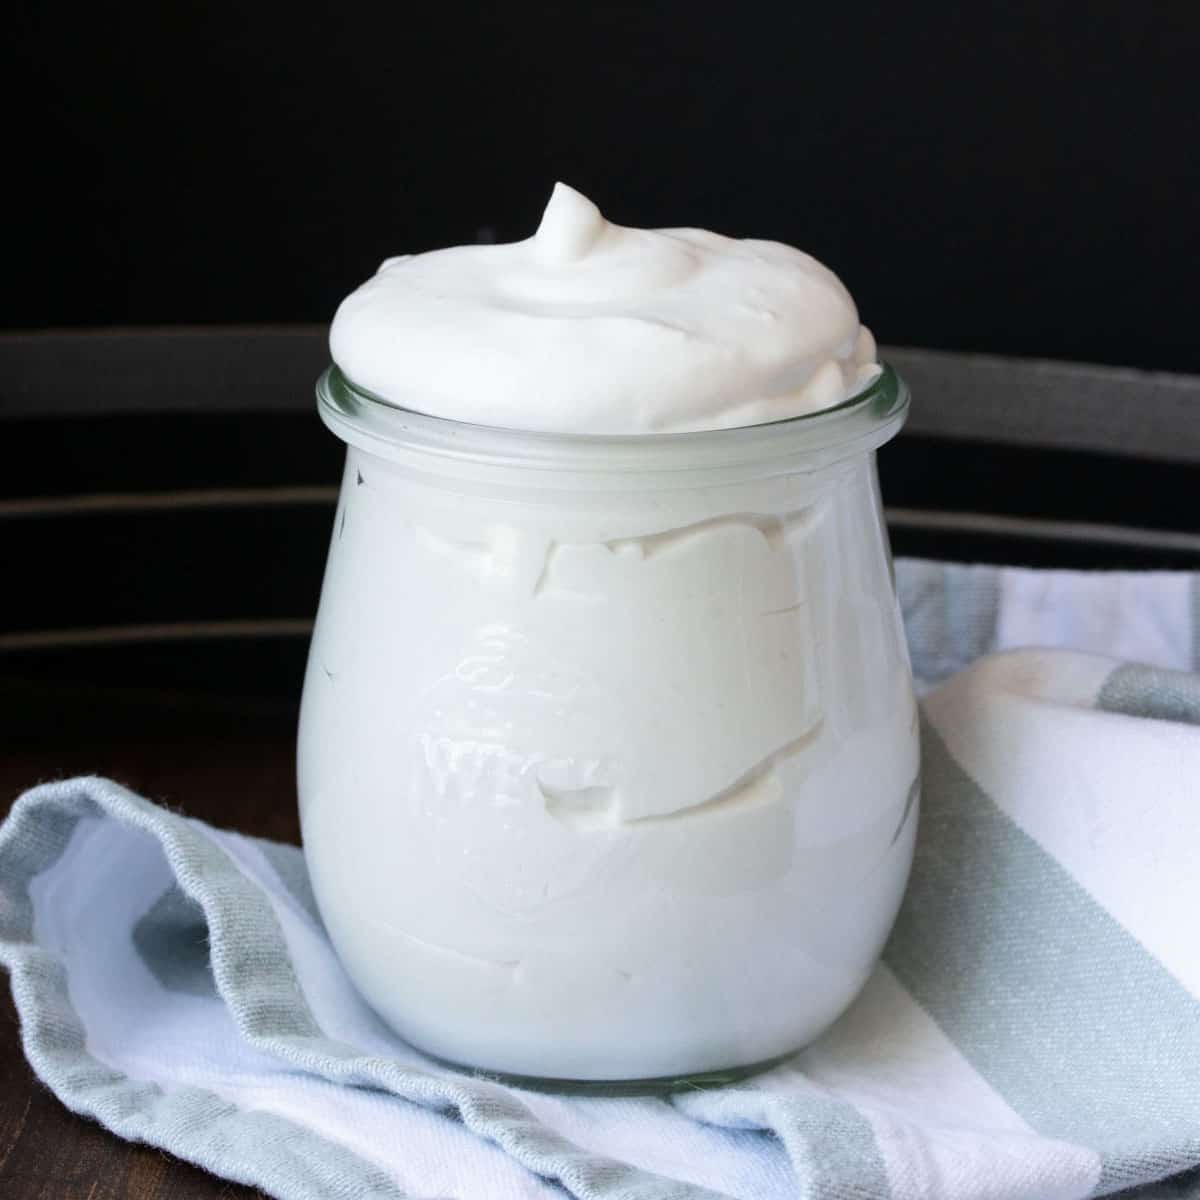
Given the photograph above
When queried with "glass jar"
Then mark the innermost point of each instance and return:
(608, 759)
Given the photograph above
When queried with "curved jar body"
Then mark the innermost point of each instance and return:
(608, 756)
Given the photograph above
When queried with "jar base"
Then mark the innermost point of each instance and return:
(656, 1085)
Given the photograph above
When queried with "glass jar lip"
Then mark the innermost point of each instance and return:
(861, 422)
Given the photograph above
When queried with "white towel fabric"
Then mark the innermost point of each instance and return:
(1033, 1030)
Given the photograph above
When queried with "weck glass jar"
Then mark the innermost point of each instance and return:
(608, 759)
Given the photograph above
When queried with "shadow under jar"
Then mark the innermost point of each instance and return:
(608, 755)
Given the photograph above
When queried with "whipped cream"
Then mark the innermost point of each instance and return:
(592, 328)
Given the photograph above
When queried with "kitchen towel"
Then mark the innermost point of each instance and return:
(1033, 1030)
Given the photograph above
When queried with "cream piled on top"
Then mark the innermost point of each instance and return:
(592, 328)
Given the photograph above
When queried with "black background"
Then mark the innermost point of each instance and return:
(1018, 178)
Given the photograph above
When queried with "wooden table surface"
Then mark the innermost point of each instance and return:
(226, 762)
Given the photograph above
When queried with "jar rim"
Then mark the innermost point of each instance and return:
(859, 423)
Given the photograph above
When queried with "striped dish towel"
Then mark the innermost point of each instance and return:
(1033, 1030)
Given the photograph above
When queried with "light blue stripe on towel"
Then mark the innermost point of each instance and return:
(1152, 692)
(950, 613)
(831, 1145)
(1196, 622)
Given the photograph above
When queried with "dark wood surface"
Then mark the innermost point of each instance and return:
(226, 762)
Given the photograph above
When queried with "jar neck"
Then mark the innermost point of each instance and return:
(809, 443)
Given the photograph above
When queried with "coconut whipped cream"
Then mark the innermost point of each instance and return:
(608, 753)
(591, 327)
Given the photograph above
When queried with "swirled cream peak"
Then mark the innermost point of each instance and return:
(590, 327)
